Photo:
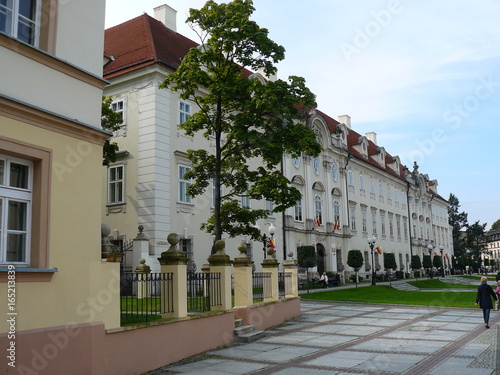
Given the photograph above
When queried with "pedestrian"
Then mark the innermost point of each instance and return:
(498, 277)
(497, 292)
(484, 294)
(324, 280)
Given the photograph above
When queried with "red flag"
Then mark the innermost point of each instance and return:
(271, 243)
(379, 250)
(317, 222)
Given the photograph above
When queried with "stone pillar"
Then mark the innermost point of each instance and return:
(175, 262)
(220, 263)
(270, 265)
(140, 246)
(143, 279)
(243, 288)
(290, 265)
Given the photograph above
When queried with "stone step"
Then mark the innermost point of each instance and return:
(250, 337)
(238, 322)
(243, 330)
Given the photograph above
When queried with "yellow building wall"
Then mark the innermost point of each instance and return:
(84, 288)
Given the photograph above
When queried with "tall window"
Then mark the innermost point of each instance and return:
(374, 222)
(116, 186)
(380, 190)
(353, 218)
(372, 186)
(336, 212)
(270, 208)
(20, 19)
(382, 223)
(388, 192)
(298, 211)
(361, 182)
(318, 208)
(391, 226)
(184, 184)
(184, 112)
(363, 221)
(350, 178)
(245, 201)
(396, 195)
(16, 181)
(398, 227)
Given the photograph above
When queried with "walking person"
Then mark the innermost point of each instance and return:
(484, 294)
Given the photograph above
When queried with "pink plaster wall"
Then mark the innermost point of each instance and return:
(268, 315)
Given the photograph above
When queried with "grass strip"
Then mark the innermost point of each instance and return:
(386, 294)
(439, 284)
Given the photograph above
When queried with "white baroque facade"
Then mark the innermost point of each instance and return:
(353, 191)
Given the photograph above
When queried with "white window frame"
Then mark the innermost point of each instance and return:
(296, 162)
(246, 201)
(382, 223)
(318, 208)
(350, 177)
(316, 166)
(374, 223)
(353, 218)
(363, 221)
(113, 185)
(15, 17)
(372, 186)
(270, 208)
(183, 184)
(15, 194)
(336, 211)
(335, 171)
(184, 111)
(298, 211)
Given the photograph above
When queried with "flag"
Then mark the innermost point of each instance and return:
(447, 256)
(336, 225)
(317, 222)
(271, 243)
(379, 250)
(436, 253)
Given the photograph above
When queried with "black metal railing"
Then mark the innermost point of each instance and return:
(204, 291)
(284, 283)
(145, 297)
(261, 285)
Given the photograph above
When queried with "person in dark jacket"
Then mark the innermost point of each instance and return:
(484, 294)
(498, 277)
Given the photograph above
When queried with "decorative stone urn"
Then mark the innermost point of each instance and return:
(109, 251)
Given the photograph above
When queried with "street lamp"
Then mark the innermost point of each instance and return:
(441, 249)
(371, 243)
(430, 247)
(272, 230)
(265, 239)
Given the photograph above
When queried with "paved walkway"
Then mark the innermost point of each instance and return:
(357, 338)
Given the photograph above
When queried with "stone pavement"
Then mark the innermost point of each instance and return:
(359, 338)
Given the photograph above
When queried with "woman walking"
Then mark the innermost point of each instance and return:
(484, 294)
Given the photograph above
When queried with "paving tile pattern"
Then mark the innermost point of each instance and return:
(350, 338)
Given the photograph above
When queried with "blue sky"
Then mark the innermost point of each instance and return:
(423, 75)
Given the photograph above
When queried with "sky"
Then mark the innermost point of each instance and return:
(424, 75)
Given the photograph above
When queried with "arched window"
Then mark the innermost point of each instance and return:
(318, 208)
(336, 214)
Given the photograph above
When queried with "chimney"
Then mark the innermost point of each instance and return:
(372, 136)
(167, 16)
(346, 120)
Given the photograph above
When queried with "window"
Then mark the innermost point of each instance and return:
(363, 221)
(316, 165)
(16, 179)
(350, 178)
(382, 223)
(380, 190)
(116, 186)
(335, 171)
(183, 185)
(372, 186)
(336, 214)
(374, 222)
(270, 208)
(119, 107)
(245, 201)
(318, 209)
(391, 226)
(398, 227)
(396, 195)
(20, 19)
(298, 211)
(184, 112)
(388, 192)
(353, 218)
(361, 182)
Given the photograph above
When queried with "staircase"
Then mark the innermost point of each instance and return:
(246, 333)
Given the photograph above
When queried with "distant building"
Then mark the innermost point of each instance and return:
(353, 191)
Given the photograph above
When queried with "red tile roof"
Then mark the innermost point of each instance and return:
(140, 42)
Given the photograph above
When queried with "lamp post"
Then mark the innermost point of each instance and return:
(441, 249)
(272, 230)
(430, 247)
(265, 239)
(371, 243)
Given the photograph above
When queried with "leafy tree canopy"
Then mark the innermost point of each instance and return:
(390, 261)
(416, 263)
(110, 120)
(355, 259)
(306, 256)
(495, 225)
(245, 118)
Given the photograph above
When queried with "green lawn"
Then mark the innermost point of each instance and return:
(439, 284)
(386, 294)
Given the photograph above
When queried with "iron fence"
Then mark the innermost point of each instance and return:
(261, 285)
(204, 291)
(284, 283)
(145, 297)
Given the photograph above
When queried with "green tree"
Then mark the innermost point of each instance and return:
(437, 262)
(416, 263)
(495, 225)
(390, 261)
(427, 263)
(306, 257)
(110, 120)
(474, 236)
(458, 222)
(246, 118)
(355, 260)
